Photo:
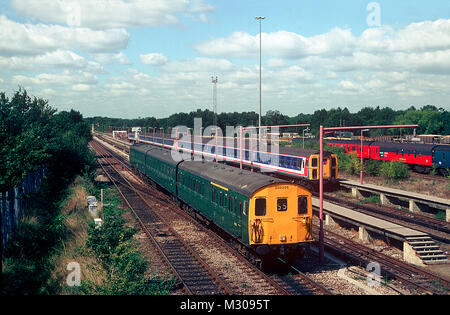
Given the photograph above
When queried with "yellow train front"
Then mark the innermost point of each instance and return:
(280, 220)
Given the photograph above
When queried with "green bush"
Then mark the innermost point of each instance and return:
(394, 170)
(372, 167)
(115, 247)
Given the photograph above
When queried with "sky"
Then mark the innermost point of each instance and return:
(142, 58)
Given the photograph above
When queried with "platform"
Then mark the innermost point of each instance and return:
(432, 201)
(370, 223)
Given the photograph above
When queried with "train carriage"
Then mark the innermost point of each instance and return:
(421, 157)
(268, 216)
(299, 164)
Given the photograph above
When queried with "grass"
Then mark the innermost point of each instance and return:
(57, 232)
(371, 199)
(72, 246)
(441, 215)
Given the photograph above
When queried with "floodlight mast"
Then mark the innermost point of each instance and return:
(260, 18)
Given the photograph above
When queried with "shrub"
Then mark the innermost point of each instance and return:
(372, 167)
(114, 245)
(394, 170)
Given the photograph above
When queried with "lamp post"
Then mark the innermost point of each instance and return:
(260, 18)
(214, 82)
(362, 152)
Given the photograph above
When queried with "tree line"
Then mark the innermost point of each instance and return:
(34, 135)
(431, 119)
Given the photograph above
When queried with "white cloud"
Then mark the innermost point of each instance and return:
(66, 78)
(33, 39)
(204, 65)
(416, 37)
(281, 44)
(48, 92)
(55, 59)
(104, 14)
(421, 46)
(276, 63)
(108, 59)
(154, 59)
(81, 87)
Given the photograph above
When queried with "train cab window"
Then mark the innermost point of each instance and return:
(314, 162)
(282, 205)
(333, 162)
(302, 205)
(260, 207)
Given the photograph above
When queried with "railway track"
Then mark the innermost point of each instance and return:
(415, 277)
(297, 283)
(188, 267)
(438, 229)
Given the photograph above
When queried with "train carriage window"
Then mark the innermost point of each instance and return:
(295, 164)
(260, 207)
(282, 204)
(288, 162)
(302, 205)
(245, 210)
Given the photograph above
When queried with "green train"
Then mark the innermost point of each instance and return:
(267, 216)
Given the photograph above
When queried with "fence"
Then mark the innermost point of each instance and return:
(13, 202)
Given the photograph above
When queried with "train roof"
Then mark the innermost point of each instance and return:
(405, 146)
(277, 149)
(157, 152)
(442, 147)
(233, 178)
(346, 141)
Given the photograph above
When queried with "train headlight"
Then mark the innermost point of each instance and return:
(283, 238)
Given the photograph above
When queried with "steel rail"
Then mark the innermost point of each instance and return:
(217, 279)
(306, 280)
(226, 246)
(394, 267)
